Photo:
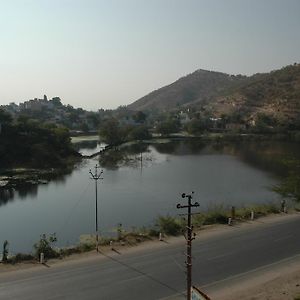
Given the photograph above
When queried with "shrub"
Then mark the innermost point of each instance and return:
(153, 232)
(169, 225)
(5, 251)
(44, 245)
(20, 257)
(215, 215)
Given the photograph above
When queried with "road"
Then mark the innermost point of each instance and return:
(158, 273)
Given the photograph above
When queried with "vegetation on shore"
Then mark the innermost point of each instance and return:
(166, 225)
(114, 133)
(29, 143)
(290, 184)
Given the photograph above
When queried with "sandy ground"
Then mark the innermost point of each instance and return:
(280, 281)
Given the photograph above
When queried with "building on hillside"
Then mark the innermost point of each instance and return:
(37, 104)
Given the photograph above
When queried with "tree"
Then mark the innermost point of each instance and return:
(140, 132)
(56, 101)
(27, 142)
(84, 127)
(112, 133)
(45, 245)
(197, 126)
(139, 117)
(169, 126)
(264, 123)
(5, 118)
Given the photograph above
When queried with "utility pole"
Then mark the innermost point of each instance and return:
(96, 176)
(189, 237)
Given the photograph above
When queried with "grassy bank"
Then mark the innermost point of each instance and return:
(166, 225)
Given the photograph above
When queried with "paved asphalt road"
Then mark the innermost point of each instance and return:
(158, 273)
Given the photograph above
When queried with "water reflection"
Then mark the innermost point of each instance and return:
(263, 155)
(22, 192)
(166, 148)
(6, 195)
(134, 155)
(28, 188)
(85, 145)
(188, 147)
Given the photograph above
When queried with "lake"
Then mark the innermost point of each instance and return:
(141, 182)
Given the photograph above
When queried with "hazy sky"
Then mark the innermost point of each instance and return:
(95, 53)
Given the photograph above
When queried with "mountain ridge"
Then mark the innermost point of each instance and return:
(276, 93)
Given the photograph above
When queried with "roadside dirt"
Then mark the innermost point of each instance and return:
(282, 282)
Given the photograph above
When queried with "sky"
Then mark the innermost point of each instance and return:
(106, 53)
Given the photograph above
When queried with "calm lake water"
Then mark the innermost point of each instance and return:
(135, 192)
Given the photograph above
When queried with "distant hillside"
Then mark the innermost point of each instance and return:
(276, 94)
(199, 86)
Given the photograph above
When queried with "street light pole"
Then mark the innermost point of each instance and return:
(189, 239)
(96, 176)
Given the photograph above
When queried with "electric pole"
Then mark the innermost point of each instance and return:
(189, 237)
(96, 176)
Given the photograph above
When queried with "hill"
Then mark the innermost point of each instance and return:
(276, 94)
(199, 86)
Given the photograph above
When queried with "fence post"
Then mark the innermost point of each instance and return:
(160, 236)
(42, 258)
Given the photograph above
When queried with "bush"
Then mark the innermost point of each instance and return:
(153, 232)
(44, 245)
(215, 217)
(20, 257)
(169, 225)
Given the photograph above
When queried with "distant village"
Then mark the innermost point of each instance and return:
(53, 111)
(78, 120)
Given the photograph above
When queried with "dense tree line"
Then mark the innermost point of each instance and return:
(114, 133)
(27, 142)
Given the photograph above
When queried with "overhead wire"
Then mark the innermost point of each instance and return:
(143, 273)
(67, 220)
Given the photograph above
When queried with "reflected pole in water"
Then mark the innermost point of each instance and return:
(96, 176)
(189, 237)
(141, 159)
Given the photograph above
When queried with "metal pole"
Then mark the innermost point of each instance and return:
(189, 250)
(189, 239)
(96, 177)
(97, 236)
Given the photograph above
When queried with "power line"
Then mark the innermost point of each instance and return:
(142, 273)
(67, 220)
